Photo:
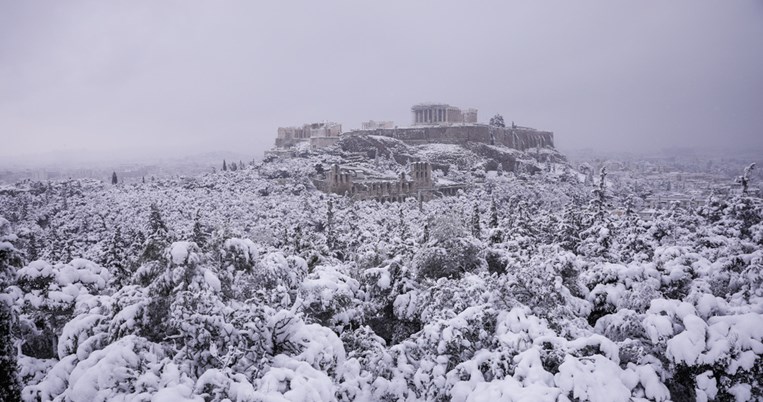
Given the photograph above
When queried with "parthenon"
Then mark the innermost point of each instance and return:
(441, 114)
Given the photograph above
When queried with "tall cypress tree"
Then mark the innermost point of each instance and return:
(476, 227)
(114, 178)
(493, 214)
(330, 223)
(402, 224)
(158, 235)
(199, 235)
(496, 234)
(298, 239)
(115, 257)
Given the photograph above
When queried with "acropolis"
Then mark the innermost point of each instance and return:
(431, 123)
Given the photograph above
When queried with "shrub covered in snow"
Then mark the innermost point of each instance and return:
(251, 285)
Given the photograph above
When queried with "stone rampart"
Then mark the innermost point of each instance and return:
(521, 138)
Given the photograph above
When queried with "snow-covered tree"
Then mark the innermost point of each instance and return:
(10, 260)
(497, 121)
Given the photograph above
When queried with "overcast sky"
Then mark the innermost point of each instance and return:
(181, 77)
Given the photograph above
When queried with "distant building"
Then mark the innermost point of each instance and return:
(373, 125)
(319, 135)
(441, 114)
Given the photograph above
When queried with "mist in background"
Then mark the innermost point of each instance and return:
(141, 79)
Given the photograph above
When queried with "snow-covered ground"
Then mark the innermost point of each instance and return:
(251, 285)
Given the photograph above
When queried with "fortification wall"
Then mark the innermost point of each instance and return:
(521, 138)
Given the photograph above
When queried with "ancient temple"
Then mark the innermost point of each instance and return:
(441, 114)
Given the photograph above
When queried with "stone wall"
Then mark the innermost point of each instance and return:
(290, 136)
(323, 142)
(521, 138)
(418, 183)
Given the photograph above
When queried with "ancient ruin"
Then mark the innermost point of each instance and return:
(372, 125)
(432, 123)
(364, 184)
(318, 135)
(441, 114)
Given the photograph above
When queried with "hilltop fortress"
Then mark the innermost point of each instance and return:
(432, 123)
(445, 124)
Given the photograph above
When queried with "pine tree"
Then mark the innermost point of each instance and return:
(330, 223)
(319, 170)
(114, 257)
(10, 261)
(493, 214)
(628, 203)
(600, 196)
(199, 234)
(225, 166)
(402, 225)
(496, 234)
(155, 222)
(136, 241)
(497, 121)
(298, 239)
(114, 178)
(33, 251)
(596, 239)
(476, 227)
(158, 236)
(570, 226)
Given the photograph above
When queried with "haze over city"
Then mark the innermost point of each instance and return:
(131, 79)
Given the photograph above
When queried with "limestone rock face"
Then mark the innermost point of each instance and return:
(509, 158)
(521, 138)
(464, 155)
(372, 146)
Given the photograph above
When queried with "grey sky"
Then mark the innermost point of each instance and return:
(189, 76)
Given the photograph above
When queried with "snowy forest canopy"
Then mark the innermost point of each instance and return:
(251, 285)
